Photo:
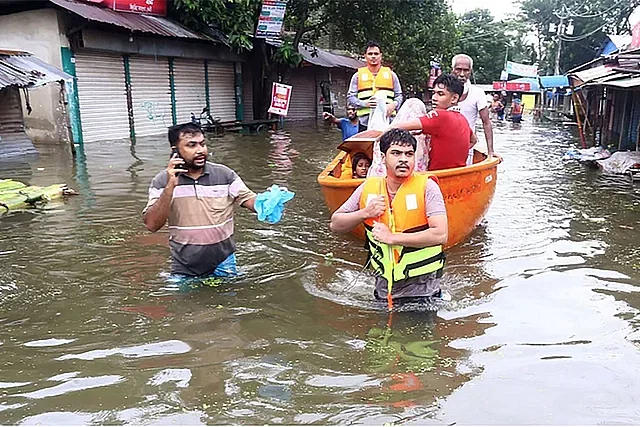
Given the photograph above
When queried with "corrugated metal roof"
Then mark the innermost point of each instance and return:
(624, 83)
(594, 73)
(25, 70)
(324, 58)
(131, 21)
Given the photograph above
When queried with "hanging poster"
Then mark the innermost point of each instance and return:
(271, 18)
(280, 99)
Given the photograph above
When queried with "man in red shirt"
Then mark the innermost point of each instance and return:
(451, 136)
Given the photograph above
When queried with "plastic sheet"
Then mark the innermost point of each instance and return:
(270, 204)
(378, 119)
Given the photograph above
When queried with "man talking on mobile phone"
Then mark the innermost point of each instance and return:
(198, 199)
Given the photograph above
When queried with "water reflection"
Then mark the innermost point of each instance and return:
(544, 310)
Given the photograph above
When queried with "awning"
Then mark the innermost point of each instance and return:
(131, 21)
(323, 58)
(24, 70)
(549, 82)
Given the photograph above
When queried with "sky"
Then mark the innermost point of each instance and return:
(499, 9)
(502, 9)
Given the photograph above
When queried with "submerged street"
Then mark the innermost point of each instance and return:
(542, 328)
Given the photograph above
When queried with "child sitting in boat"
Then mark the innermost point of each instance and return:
(360, 165)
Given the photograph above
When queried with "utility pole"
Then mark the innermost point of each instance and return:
(556, 70)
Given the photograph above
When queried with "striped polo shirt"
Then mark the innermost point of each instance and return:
(201, 217)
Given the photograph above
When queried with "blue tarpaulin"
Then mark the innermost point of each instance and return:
(549, 82)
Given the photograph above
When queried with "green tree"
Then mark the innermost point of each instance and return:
(412, 33)
(490, 42)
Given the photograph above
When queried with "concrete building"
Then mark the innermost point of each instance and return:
(22, 72)
(135, 74)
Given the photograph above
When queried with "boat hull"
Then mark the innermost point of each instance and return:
(467, 192)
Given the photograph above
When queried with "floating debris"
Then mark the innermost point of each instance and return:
(16, 196)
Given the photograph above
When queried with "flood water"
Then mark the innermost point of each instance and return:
(543, 325)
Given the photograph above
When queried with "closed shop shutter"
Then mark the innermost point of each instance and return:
(191, 93)
(10, 112)
(222, 96)
(13, 139)
(102, 96)
(247, 94)
(150, 94)
(304, 100)
(633, 122)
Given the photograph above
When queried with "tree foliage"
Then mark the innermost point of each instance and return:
(232, 20)
(412, 33)
(489, 43)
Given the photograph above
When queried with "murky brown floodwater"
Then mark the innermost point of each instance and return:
(543, 326)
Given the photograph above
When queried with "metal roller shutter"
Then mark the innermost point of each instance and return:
(14, 141)
(191, 93)
(304, 99)
(634, 122)
(102, 96)
(247, 94)
(222, 96)
(150, 94)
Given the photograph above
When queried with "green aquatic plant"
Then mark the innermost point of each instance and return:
(212, 282)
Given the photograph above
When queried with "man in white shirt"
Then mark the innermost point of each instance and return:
(473, 102)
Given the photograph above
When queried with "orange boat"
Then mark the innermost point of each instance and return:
(467, 191)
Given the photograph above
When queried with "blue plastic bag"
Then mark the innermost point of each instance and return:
(270, 204)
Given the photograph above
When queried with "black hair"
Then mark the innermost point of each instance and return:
(371, 44)
(357, 157)
(398, 137)
(189, 128)
(450, 82)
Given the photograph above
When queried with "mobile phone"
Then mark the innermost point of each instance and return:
(174, 151)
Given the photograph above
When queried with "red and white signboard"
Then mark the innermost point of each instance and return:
(280, 99)
(151, 7)
(512, 86)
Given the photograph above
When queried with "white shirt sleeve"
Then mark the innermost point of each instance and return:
(481, 99)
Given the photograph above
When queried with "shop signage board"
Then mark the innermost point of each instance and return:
(271, 18)
(280, 99)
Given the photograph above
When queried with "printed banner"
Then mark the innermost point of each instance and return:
(280, 99)
(271, 18)
(522, 70)
(152, 7)
(512, 86)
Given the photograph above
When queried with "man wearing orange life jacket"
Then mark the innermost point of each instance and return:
(405, 221)
(374, 79)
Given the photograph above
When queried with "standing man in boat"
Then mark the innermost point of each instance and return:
(374, 79)
(473, 102)
(405, 221)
